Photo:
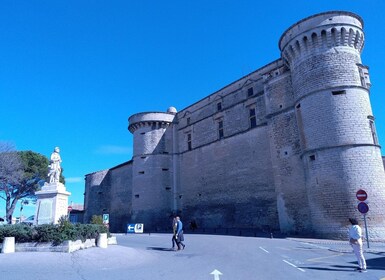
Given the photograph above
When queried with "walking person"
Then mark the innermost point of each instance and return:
(355, 240)
(179, 234)
(174, 226)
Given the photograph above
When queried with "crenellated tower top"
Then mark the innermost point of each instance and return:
(321, 32)
(151, 119)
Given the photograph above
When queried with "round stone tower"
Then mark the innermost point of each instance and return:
(340, 150)
(152, 175)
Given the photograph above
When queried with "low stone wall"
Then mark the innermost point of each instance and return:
(65, 247)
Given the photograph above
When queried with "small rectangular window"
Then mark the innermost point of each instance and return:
(312, 157)
(136, 196)
(250, 92)
(219, 106)
(164, 169)
(339, 92)
(252, 118)
(188, 121)
(220, 129)
(362, 77)
(141, 172)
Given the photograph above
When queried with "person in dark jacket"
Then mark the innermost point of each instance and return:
(174, 226)
(179, 234)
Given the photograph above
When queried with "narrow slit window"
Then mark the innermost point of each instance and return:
(252, 118)
(339, 92)
(373, 130)
(219, 106)
(220, 129)
(189, 142)
(141, 172)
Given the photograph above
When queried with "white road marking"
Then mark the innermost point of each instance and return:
(264, 250)
(294, 266)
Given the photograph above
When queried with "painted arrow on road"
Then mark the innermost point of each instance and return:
(216, 274)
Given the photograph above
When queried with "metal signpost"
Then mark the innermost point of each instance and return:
(363, 208)
(106, 220)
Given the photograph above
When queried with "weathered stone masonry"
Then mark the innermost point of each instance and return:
(284, 148)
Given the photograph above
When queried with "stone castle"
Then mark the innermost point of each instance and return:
(284, 148)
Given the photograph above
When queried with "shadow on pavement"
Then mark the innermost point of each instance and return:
(160, 249)
(376, 263)
(328, 269)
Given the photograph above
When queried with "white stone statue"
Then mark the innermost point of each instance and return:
(54, 166)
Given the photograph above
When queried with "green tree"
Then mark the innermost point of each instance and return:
(27, 175)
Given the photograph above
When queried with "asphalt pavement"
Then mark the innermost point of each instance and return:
(144, 257)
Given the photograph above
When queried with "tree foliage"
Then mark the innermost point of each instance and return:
(21, 174)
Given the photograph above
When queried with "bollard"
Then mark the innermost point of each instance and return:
(8, 245)
(102, 240)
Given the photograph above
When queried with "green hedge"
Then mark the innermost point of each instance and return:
(52, 233)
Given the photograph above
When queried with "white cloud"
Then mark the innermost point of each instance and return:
(114, 150)
(74, 179)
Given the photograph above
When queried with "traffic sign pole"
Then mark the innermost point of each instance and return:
(366, 231)
(363, 208)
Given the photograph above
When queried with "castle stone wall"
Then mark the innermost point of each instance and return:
(120, 197)
(110, 192)
(284, 148)
(96, 184)
(228, 184)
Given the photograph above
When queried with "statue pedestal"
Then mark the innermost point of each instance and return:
(52, 203)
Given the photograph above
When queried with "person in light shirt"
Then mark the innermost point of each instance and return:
(355, 240)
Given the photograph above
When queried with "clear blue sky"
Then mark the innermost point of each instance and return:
(72, 72)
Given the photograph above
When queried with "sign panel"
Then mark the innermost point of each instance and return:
(135, 228)
(361, 195)
(106, 218)
(363, 207)
(138, 228)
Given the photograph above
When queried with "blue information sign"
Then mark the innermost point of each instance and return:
(134, 228)
(363, 207)
(130, 228)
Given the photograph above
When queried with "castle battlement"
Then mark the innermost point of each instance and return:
(322, 32)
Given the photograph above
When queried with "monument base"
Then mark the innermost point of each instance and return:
(52, 203)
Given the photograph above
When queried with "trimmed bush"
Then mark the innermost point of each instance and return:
(52, 233)
(22, 233)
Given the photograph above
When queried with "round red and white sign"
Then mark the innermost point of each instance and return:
(361, 195)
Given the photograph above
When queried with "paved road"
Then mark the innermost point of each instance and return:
(227, 257)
